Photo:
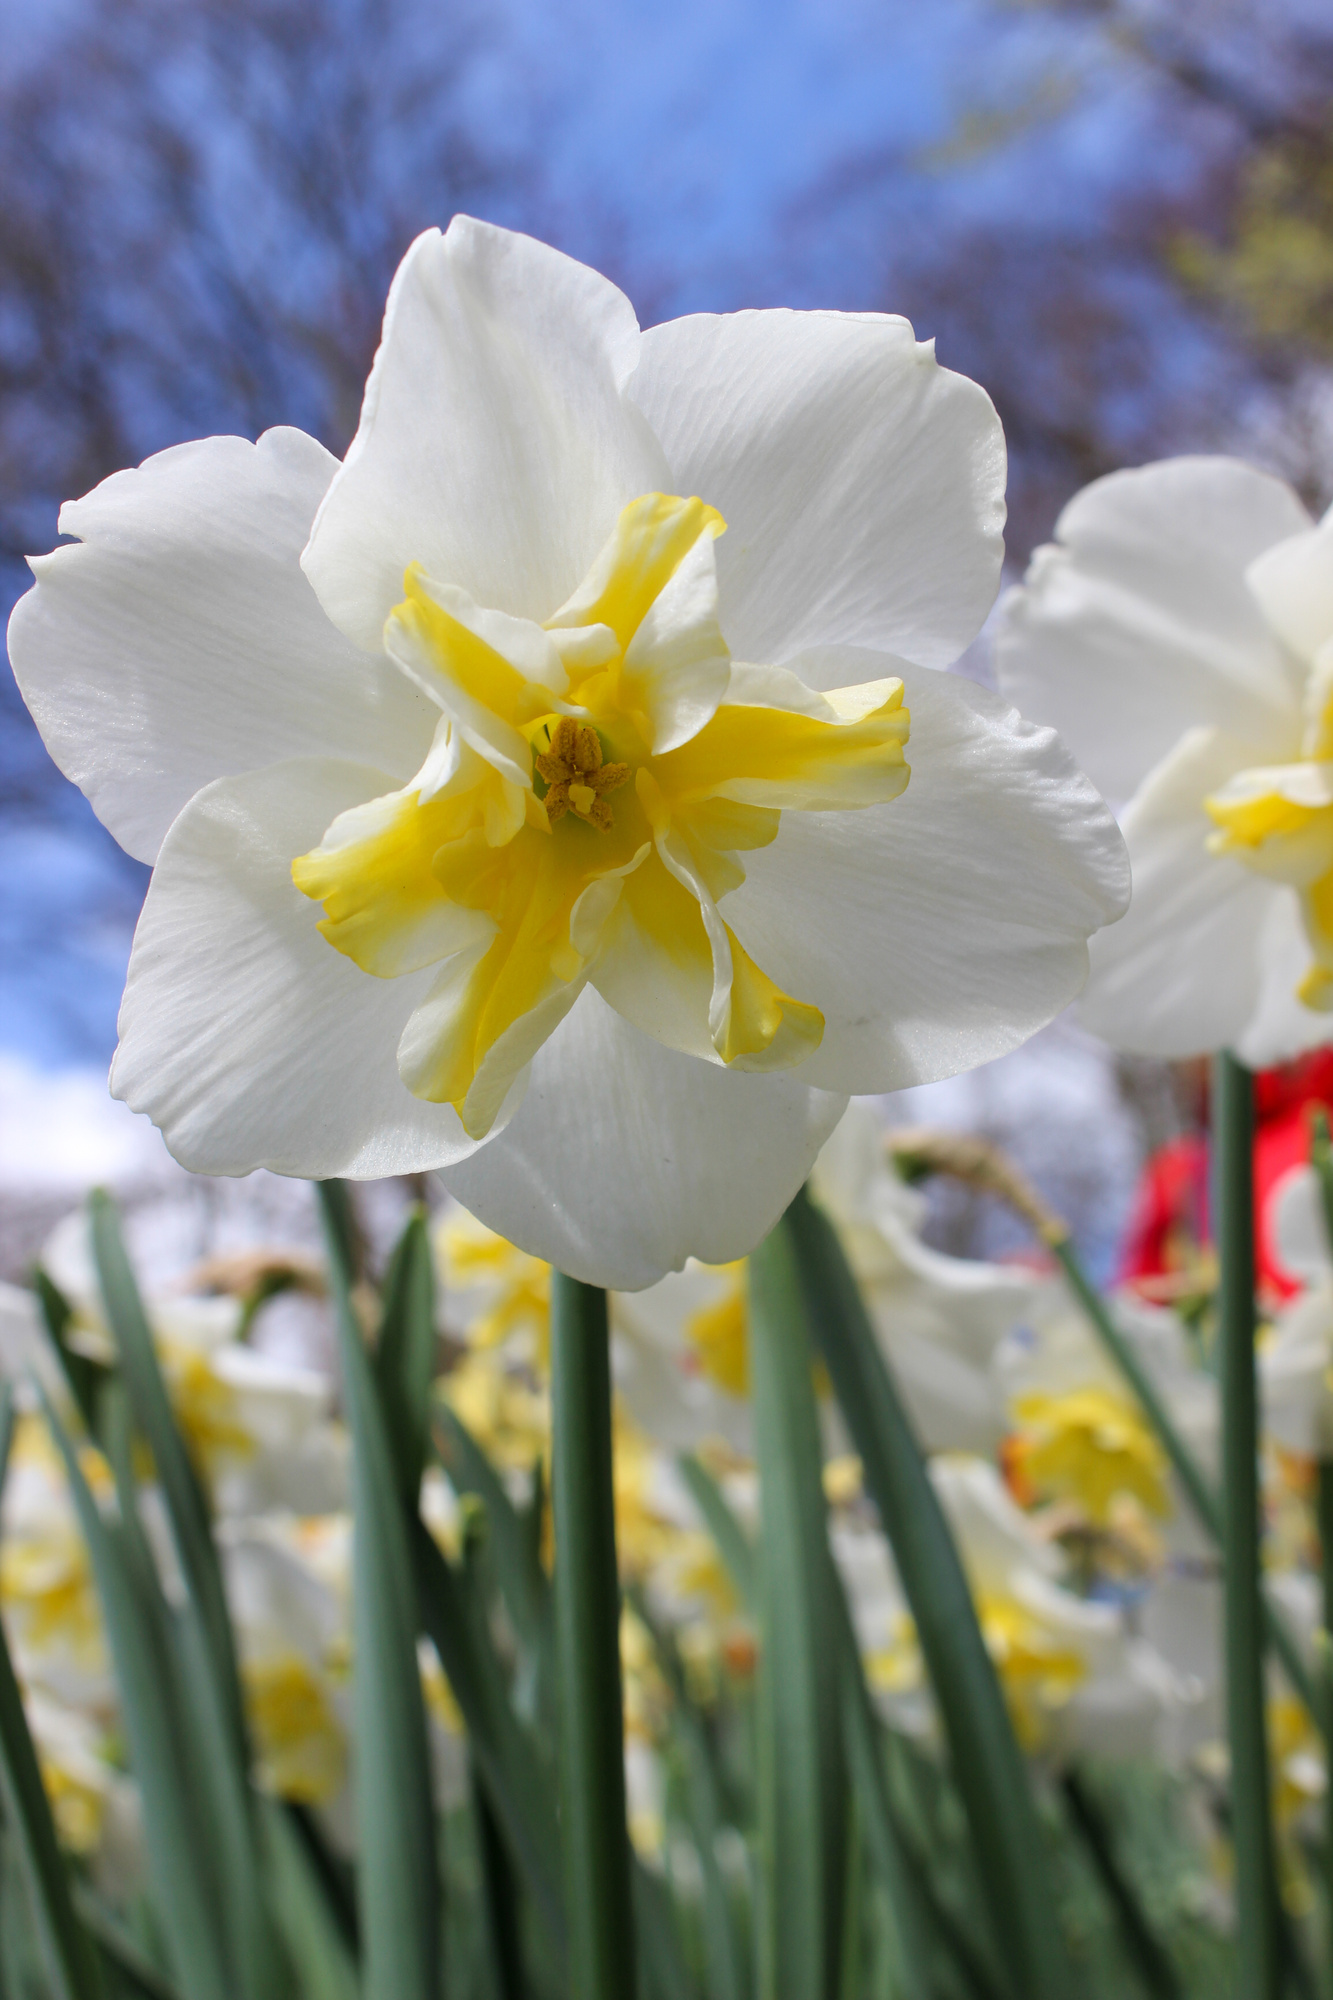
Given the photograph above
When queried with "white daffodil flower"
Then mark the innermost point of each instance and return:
(94, 1804)
(529, 793)
(1059, 1382)
(288, 1600)
(261, 1428)
(1074, 1678)
(941, 1320)
(1179, 634)
(1295, 1356)
(682, 1359)
(47, 1593)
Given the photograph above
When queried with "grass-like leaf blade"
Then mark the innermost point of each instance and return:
(517, 1783)
(316, 1947)
(136, 1974)
(405, 1354)
(723, 1975)
(526, 1587)
(84, 1377)
(209, 1680)
(184, 1496)
(6, 1428)
(185, 1894)
(733, 1544)
(399, 1888)
(987, 1764)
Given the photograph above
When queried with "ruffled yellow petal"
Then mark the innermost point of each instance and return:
(543, 800)
(850, 757)
(649, 542)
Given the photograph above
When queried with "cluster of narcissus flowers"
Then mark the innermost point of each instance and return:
(563, 792)
(274, 1459)
(1097, 1595)
(966, 1341)
(1097, 1592)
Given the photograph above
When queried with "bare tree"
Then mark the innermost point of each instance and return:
(1193, 309)
(203, 208)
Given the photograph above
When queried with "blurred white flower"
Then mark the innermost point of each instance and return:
(261, 1428)
(682, 1360)
(52, 1616)
(287, 1595)
(941, 1320)
(602, 810)
(1179, 634)
(1074, 1677)
(94, 1804)
(1062, 1386)
(1295, 1359)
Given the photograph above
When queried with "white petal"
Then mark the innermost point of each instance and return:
(178, 640)
(495, 445)
(953, 1406)
(957, 1302)
(1293, 1367)
(626, 1158)
(1297, 1227)
(1293, 585)
(997, 1541)
(1180, 974)
(944, 928)
(1281, 1026)
(862, 484)
(677, 663)
(658, 1373)
(1136, 624)
(245, 1036)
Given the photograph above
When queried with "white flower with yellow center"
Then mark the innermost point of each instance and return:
(527, 794)
(260, 1429)
(1179, 633)
(1074, 1679)
(1090, 1446)
(683, 1358)
(1295, 1355)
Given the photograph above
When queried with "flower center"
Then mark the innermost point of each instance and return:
(506, 862)
(1090, 1446)
(577, 780)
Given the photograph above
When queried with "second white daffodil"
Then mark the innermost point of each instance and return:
(1179, 632)
(529, 795)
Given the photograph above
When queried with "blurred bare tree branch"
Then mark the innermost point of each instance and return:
(203, 208)
(1192, 310)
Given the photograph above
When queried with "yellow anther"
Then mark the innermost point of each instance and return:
(576, 775)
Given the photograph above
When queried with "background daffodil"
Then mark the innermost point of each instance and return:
(1179, 634)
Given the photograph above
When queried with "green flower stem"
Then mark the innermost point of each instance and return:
(1321, 1159)
(1200, 1495)
(1259, 1967)
(587, 1629)
(1324, 1503)
(801, 1776)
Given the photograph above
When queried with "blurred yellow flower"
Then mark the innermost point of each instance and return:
(1090, 1446)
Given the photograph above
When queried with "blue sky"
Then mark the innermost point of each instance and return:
(704, 126)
